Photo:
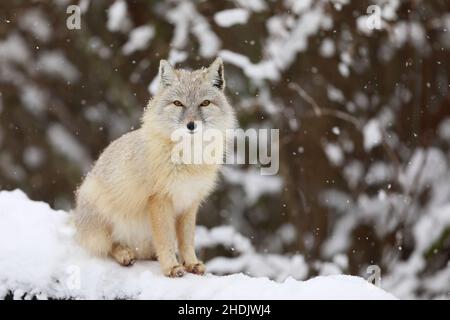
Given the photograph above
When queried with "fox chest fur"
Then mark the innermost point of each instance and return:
(187, 189)
(183, 185)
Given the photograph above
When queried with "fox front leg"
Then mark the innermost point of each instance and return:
(185, 225)
(164, 237)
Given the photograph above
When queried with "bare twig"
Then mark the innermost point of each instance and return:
(302, 93)
(413, 189)
(338, 114)
(319, 111)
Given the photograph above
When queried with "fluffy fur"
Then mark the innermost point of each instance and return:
(136, 203)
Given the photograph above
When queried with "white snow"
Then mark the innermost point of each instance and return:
(186, 19)
(9, 167)
(327, 48)
(430, 165)
(344, 69)
(253, 182)
(289, 37)
(66, 144)
(33, 156)
(336, 130)
(139, 39)
(379, 172)
(334, 153)
(118, 19)
(444, 129)
(230, 17)
(33, 98)
(37, 23)
(298, 6)
(334, 94)
(353, 172)
(254, 5)
(55, 63)
(372, 134)
(39, 258)
(260, 71)
(13, 49)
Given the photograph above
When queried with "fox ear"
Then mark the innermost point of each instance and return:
(166, 74)
(215, 74)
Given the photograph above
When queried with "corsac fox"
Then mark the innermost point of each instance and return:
(136, 202)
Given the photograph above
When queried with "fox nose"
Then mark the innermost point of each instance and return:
(191, 126)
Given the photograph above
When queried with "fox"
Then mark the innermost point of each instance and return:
(136, 203)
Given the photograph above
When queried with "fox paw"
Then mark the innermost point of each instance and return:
(175, 271)
(196, 268)
(124, 256)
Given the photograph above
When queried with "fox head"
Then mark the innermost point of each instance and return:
(186, 99)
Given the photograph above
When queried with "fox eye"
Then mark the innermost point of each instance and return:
(205, 103)
(177, 103)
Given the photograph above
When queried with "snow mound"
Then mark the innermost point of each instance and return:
(39, 258)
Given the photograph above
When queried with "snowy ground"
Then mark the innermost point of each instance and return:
(38, 257)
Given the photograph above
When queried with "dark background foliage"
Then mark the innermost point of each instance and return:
(341, 204)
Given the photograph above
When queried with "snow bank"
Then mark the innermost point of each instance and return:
(38, 257)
